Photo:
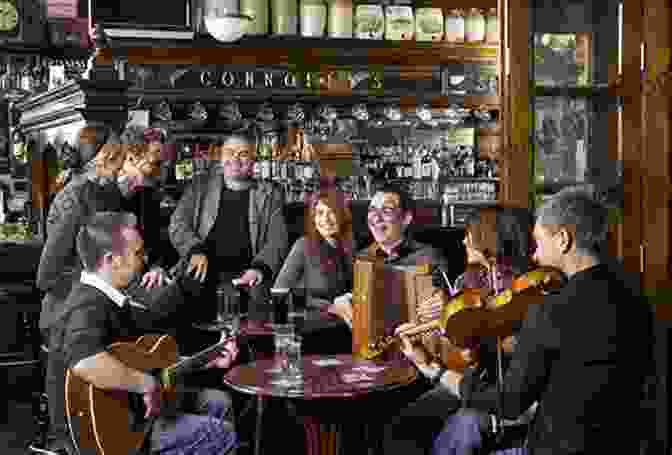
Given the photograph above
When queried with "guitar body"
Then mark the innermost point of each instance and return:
(101, 421)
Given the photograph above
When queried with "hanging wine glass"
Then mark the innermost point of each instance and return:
(456, 84)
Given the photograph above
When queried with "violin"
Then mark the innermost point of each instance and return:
(465, 317)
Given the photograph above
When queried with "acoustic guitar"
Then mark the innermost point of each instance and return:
(106, 422)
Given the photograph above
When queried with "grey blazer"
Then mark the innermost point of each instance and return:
(198, 208)
(322, 275)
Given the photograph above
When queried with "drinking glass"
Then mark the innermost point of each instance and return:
(228, 308)
(280, 305)
(282, 334)
(294, 369)
(297, 311)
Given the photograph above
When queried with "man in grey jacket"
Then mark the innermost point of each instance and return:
(227, 226)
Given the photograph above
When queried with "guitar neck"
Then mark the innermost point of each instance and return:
(195, 361)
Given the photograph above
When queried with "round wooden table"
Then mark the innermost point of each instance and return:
(338, 376)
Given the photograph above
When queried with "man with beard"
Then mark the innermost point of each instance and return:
(228, 226)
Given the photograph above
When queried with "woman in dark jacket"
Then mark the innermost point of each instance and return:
(321, 261)
(319, 266)
(495, 235)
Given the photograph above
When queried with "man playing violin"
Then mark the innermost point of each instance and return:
(575, 350)
(497, 245)
(99, 313)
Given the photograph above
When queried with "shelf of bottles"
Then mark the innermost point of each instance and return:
(437, 155)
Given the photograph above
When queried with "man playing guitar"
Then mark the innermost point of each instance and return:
(99, 314)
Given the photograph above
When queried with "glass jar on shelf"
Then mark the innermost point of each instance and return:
(399, 22)
(492, 27)
(474, 26)
(258, 9)
(340, 19)
(429, 23)
(285, 17)
(369, 20)
(455, 26)
(313, 18)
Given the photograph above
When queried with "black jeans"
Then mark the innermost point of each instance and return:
(414, 429)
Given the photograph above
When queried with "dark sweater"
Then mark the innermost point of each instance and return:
(228, 244)
(324, 271)
(92, 322)
(146, 205)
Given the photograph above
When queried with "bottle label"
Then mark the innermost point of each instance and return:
(370, 22)
(313, 19)
(340, 20)
(399, 23)
(428, 24)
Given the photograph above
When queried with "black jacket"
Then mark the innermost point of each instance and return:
(146, 205)
(583, 354)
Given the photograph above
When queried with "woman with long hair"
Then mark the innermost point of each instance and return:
(498, 243)
(321, 261)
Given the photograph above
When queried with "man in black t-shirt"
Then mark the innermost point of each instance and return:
(227, 226)
(98, 313)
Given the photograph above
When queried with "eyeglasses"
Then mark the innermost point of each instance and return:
(387, 212)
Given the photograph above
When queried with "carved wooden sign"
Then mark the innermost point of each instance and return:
(235, 78)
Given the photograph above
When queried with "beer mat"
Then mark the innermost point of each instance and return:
(368, 369)
(355, 377)
(327, 362)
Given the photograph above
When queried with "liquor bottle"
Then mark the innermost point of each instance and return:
(309, 171)
(397, 152)
(280, 305)
(408, 161)
(436, 169)
(470, 163)
(426, 164)
(283, 168)
(417, 163)
(275, 169)
(265, 162)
